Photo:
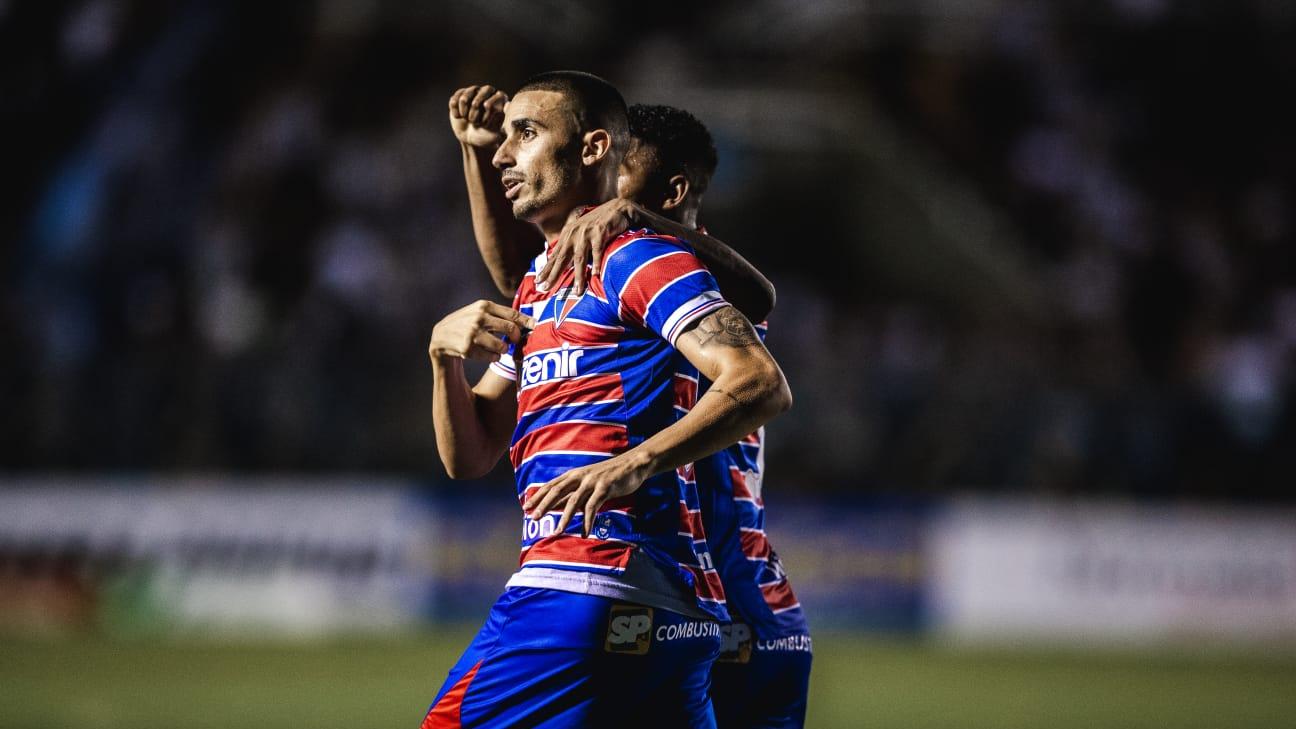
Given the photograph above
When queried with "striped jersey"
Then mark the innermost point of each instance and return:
(597, 376)
(756, 585)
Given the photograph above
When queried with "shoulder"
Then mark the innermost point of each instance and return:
(636, 247)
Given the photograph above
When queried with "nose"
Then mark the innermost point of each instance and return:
(503, 157)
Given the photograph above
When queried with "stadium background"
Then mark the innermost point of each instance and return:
(1037, 303)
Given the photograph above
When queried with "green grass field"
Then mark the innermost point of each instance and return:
(858, 682)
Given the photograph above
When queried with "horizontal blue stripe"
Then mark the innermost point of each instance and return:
(613, 412)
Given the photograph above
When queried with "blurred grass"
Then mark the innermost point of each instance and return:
(858, 681)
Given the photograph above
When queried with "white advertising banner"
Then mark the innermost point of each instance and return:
(297, 556)
(1010, 569)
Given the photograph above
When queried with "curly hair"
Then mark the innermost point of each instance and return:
(683, 144)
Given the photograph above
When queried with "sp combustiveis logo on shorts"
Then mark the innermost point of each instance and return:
(629, 629)
(736, 646)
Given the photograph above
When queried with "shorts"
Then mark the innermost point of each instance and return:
(547, 658)
(761, 683)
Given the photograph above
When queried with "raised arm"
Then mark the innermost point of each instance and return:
(584, 239)
(507, 245)
(748, 389)
(473, 424)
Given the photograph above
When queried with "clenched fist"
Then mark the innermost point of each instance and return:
(477, 115)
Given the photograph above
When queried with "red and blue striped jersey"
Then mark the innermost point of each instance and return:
(597, 376)
(756, 584)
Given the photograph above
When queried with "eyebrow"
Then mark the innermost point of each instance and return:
(524, 121)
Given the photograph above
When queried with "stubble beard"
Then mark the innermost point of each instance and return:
(549, 188)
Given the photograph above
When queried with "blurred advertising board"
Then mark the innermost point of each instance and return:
(310, 556)
(277, 555)
(1116, 572)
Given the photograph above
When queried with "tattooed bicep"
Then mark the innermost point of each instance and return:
(726, 328)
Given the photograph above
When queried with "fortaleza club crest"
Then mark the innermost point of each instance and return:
(564, 302)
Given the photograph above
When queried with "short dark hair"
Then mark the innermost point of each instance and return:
(597, 103)
(682, 142)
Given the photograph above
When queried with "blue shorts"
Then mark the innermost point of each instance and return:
(547, 658)
(761, 683)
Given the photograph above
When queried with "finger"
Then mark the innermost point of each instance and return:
(573, 501)
(464, 98)
(454, 102)
(499, 325)
(509, 313)
(591, 511)
(495, 104)
(541, 498)
(549, 494)
(596, 256)
(595, 242)
(476, 108)
(543, 274)
(578, 265)
(490, 343)
(557, 265)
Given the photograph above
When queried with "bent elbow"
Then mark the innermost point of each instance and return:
(781, 400)
(785, 398)
(508, 285)
(769, 301)
(460, 469)
(776, 394)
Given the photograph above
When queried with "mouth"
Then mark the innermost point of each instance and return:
(512, 186)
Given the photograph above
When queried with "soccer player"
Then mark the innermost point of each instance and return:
(611, 617)
(762, 676)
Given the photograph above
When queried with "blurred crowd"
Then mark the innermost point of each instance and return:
(230, 229)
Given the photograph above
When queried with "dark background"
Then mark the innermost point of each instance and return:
(1019, 246)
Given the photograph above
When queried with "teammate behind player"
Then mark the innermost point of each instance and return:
(762, 677)
(608, 618)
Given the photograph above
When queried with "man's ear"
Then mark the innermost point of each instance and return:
(596, 146)
(677, 189)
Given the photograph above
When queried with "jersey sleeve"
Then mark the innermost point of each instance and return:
(660, 284)
(504, 366)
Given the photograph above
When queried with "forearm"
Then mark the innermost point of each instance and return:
(464, 441)
(507, 245)
(742, 284)
(737, 403)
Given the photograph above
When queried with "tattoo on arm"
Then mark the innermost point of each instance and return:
(727, 328)
(728, 394)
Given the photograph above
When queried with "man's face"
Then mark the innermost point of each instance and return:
(539, 159)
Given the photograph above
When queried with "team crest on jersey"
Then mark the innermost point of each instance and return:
(564, 302)
(629, 629)
(736, 644)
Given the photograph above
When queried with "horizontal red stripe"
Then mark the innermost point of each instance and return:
(649, 280)
(567, 548)
(621, 503)
(691, 522)
(754, 544)
(595, 388)
(739, 480)
(593, 437)
(779, 595)
(706, 583)
(526, 292)
(576, 333)
(685, 391)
